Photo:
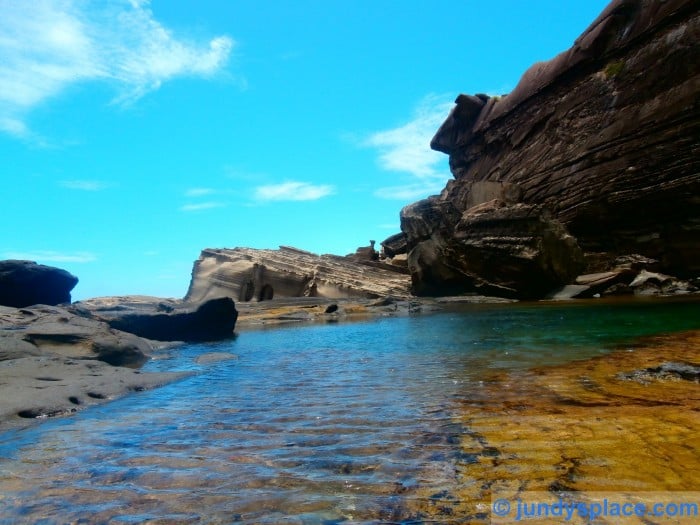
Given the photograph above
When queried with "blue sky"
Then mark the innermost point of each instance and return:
(134, 133)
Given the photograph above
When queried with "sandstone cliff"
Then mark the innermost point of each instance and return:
(597, 149)
(247, 274)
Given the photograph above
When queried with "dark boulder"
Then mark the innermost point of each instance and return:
(160, 320)
(394, 245)
(516, 251)
(25, 283)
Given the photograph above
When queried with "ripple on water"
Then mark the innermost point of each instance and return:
(395, 420)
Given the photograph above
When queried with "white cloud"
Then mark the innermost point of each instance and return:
(198, 192)
(14, 127)
(48, 45)
(293, 191)
(406, 149)
(202, 206)
(84, 185)
(42, 256)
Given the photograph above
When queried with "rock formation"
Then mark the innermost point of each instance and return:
(54, 362)
(257, 275)
(164, 319)
(55, 331)
(602, 143)
(494, 249)
(625, 275)
(365, 253)
(394, 245)
(24, 283)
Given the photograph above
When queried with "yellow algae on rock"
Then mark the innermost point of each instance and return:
(618, 422)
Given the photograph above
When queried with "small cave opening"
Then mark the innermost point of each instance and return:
(266, 293)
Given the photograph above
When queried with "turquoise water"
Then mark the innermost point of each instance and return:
(338, 423)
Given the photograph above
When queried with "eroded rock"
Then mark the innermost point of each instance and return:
(40, 387)
(257, 275)
(164, 319)
(57, 331)
(494, 248)
(605, 136)
(394, 245)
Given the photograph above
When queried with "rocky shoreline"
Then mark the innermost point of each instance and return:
(581, 183)
(59, 372)
(57, 360)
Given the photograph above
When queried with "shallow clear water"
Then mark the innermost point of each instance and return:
(337, 423)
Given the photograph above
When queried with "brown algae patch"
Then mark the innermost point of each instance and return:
(619, 422)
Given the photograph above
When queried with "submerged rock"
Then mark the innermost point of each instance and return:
(25, 283)
(665, 371)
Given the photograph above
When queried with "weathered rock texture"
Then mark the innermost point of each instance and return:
(54, 362)
(492, 248)
(164, 319)
(604, 139)
(257, 275)
(24, 283)
(55, 331)
(394, 245)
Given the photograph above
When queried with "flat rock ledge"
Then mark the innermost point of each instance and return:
(39, 387)
(54, 362)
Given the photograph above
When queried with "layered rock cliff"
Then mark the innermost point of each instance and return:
(247, 274)
(597, 150)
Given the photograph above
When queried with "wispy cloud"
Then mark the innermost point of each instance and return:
(52, 256)
(199, 206)
(14, 127)
(199, 192)
(293, 191)
(48, 45)
(84, 185)
(406, 149)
